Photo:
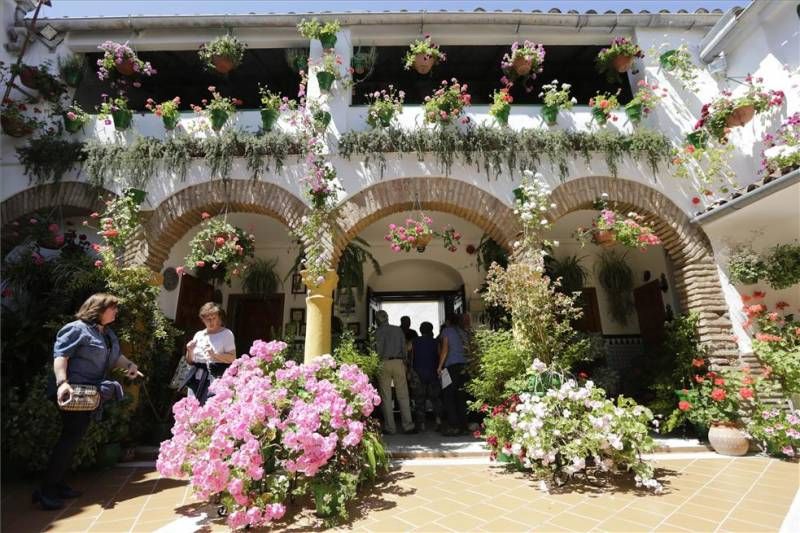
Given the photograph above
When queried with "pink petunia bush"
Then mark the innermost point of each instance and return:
(273, 428)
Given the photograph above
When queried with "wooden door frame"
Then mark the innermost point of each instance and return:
(234, 299)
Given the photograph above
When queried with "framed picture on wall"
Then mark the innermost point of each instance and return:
(297, 284)
(297, 314)
(355, 327)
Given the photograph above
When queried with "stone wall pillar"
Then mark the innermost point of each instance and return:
(319, 307)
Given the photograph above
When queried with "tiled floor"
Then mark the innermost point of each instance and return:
(702, 494)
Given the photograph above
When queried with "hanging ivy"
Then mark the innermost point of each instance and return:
(49, 158)
(496, 150)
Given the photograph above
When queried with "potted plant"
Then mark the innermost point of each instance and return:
(218, 109)
(122, 59)
(447, 103)
(726, 112)
(74, 118)
(40, 79)
(260, 278)
(169, 111)
(775, 336)
(328, 71)
(616, 278)
(321, 184)
(610, 227)
(326, 33)
(555, 99)
(524, 60)
(297, 59)
(223, 54)
(15, 120)
(362, 62)
(219, 250)
(602, 106)
(783, 265)
(271, 106)
(72, 68)
(745, 265)
(501, 106)
(570, 272)
(678, 62)
(351, 265)
(618, 57)
(418, 233)
(117, 109)
(781, 151)
(384, 106)
(423, 55)
(643, 102)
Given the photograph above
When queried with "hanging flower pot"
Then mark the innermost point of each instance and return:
(726, 439)
(122, 118)
(502, 115)
(170, 121)
(665, 60)
(325, 80)
(550, 114)
(622, 63)
(697, 138)
(522, 66)
(72, 123)
(634, 112)
(604, 238)
(268, 118)
(15, 126)
(321, 120)
(318, 199)
(423, 241)
(423, 63)
(599, 116)
(137, 195)
(72, 77)
(125, 67)
(27, 76)
(740, 116)
(328, 40)
(218, 118)
(223, 64)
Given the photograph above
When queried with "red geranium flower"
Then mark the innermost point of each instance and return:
(718, 395)
(746, 393)
(683, 405)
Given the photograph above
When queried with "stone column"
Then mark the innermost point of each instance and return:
(319, 307)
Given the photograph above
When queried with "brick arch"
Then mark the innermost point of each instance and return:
(177, 214)
(80, 196)
(695, 273)
(435, 194)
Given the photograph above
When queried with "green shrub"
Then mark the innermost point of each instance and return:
(497, 361)
(346, 351)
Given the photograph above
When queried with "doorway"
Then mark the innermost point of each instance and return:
(433, 305)
(253, 317)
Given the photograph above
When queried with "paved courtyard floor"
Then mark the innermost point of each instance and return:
(703, 492)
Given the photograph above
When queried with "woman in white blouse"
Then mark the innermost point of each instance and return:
(211, 351)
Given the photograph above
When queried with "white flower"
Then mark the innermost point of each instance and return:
(556, 244)
(573, 100)
(567, 413)
(538, 366)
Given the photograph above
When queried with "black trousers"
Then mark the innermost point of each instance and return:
(73, 426)
(455, 398)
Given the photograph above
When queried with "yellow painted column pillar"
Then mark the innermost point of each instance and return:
(319, 308)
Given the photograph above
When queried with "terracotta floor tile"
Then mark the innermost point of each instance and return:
(419, 517)
(573, 522)
(461, 521)
(768, 520)
(505, 525)
(704, 509)
(115, 526)
(597, 511)
(620, 524)
(71, 525)
(390, 525)
(690, 522)
(764, 507)
(738, 525)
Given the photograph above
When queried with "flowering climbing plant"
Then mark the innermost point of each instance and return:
(275, 430)
(220, 250)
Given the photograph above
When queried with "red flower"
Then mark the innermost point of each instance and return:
(698, 363)
(220, 241)
(695, 200)
(200, 264)
(204, 215)
(95, 215)
(110, 233)
(781, 305)
(683, 405)
(98, 263)
(759, 294)
(746, 393)
(719, 381)
(699, 379)
(718, 395)
(583, 375)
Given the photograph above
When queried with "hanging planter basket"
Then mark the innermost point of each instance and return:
(622, 63)
(665, 60)
(27, 77)
(522, 66)
(125, 68)
(223, 64)
(122, 119)
(740, 116)
(600, 117)
(423, 63)
(550, 115)
(634, 112)
(15, 127)
(698, 138)
(502, 116)
(423, 241)
(268, 118)
(170, 121)
(218, 118)
(321, 120)
(325, 80)
(328, 41)
(72, 125)
(604, 238)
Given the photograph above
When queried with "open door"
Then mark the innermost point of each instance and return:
(373, 306)
(589, 322)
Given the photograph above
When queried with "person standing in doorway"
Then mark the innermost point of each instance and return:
(405, 325)
(424, 359)
(211, 351)
(453, 357)
(391, 347)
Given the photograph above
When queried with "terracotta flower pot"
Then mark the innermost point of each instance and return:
(27, 77)
(423, 63)
(15, 127)
(728, 440)
(423, 241)
(622, 63)
(604, 238)
(125, 68)
(223, 64)
(522, 66)
(740, 116)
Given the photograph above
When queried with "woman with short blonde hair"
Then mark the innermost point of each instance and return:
(211, 351)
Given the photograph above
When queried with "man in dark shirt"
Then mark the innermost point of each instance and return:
(424, 360)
